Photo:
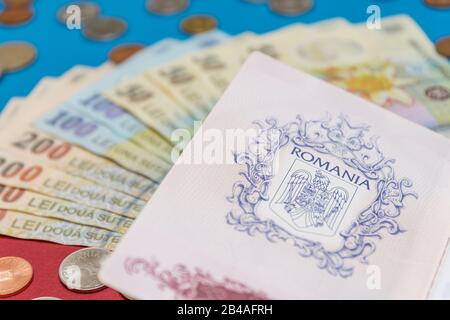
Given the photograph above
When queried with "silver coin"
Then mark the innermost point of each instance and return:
(79, 270)
(88, 11)
(290, 7)
(47, 298)
(16, 55)
(104, 28)
(166, 7)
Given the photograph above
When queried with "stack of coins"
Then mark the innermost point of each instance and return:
(93, 25)
(16, 12)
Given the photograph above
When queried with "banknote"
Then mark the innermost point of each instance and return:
(10, 110)
(186, 85)
(331, 192)
(151, 105)
(90, 103)
(28, 174)
(25, 226)
(410, 79)
(31, 142)
(79, 129)
(26, 201)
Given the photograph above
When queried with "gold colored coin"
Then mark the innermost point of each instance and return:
(443, 46)
(198, 24)
(121, 53)
(16, 55)
(15, 275)
(15, 16)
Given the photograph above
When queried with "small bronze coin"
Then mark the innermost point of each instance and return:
(15, 275)
(438, 3)
(443, 46)
(198, 24)
(121, 53)
(16, 16)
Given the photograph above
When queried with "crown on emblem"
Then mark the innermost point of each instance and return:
(320, 181)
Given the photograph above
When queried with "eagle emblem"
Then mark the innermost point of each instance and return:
(311, 202)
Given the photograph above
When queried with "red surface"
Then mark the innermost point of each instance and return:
(45, 258)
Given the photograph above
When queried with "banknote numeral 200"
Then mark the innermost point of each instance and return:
(14, 169)
(38, 145)
(68, 122)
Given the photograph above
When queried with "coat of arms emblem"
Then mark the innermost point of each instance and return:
(310, 202)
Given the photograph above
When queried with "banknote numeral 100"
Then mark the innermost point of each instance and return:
(77, 124)
(38, 145)
(10, 194)
(17, 169)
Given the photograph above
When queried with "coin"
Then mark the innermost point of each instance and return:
(121, 53)
(47, 298)
(17, 3)
(79, 270)
(290, 7)
(15, 274)
(198, 24)
(16, 55)
(443, 46)
(88, 11)
(104, 28)
(15, 16)
(438, 3)
(166, 7)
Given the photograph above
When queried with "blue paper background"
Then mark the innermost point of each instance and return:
(59, 48)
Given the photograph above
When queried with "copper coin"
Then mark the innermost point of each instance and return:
(438, 3)
(16, 55)
(15, 16)
(198, 24)
(121, 53)
(443, 46)
(17, 3)
(15, 274)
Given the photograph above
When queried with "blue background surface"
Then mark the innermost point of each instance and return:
(59, 49)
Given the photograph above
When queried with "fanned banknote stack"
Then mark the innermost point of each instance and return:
(83, 153)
